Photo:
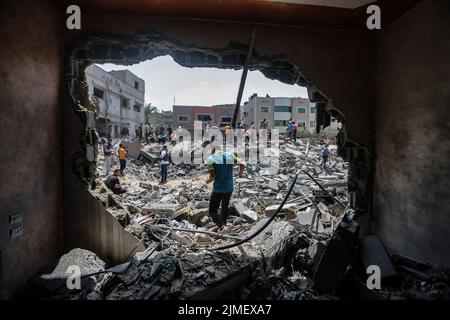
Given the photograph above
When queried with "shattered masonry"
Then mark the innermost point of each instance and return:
(305, 254)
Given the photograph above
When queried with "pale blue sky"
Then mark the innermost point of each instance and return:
(165, 79)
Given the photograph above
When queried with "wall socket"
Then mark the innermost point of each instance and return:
(15, 218)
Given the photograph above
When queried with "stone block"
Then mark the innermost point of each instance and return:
(162, 209)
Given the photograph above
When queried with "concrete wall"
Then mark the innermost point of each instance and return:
(411, 194)
(30, 135)
(410, 197)
(90, 226)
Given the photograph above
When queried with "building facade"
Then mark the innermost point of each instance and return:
(119, 100)
(219, 115)
(278, 111)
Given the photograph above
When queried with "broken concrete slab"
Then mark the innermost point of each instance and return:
(164, 209)
(273, 208)
(274, 185)
(250, 215)
(196, 215)
(53, 280)
(305, 218)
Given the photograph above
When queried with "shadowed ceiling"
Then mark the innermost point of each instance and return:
(321, 13)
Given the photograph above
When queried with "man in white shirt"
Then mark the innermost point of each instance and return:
(164, 163)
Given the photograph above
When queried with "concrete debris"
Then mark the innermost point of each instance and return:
(244, 212)
(51, 281)
(162, 209)
(172, 221)
(304, 253)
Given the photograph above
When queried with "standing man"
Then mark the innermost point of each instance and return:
(290, 129)
(108, 152)
(220, 167)
(294, 131)
(122, 158)
(227, 129)
(325, 155)
(140, 132)
(164, 163)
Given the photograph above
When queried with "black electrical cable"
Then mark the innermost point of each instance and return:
(323, 189)
(228, 246)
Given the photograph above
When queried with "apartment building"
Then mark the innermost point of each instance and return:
(119, 99)
(219, 115)
(278, 111)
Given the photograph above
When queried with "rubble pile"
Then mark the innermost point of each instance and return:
(185, 197)
(172, 221)
(308, 252)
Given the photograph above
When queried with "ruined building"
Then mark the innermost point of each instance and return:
(390, 88)
(119, 100)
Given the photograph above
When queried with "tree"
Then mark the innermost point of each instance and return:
(149, 110)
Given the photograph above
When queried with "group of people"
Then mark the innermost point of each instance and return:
(292, 130)
(159, 135)
(219, 165)
(112, 182)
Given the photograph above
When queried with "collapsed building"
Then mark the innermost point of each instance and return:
(389, 89)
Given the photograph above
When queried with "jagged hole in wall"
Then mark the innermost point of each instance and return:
(100, 47)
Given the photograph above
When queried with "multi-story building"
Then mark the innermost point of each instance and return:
(119, 100)
(278, 112)
(219, 115)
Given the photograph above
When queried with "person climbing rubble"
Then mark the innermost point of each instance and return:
(113, 183)
(220, 167)
(108, 153)
(290, 129)
(325, 155)
(295, 130)
(122, 152)
(164, 163)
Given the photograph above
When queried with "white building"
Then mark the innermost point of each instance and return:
(278, 111)
(119, 100)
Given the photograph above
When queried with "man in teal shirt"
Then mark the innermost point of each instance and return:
(220, 167)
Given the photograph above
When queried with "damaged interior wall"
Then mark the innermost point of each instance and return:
(410, 204)
(224, 45)
(30, 133)
(90, 225)
(411, 201)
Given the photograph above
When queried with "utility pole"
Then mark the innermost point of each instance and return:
(243, 78)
